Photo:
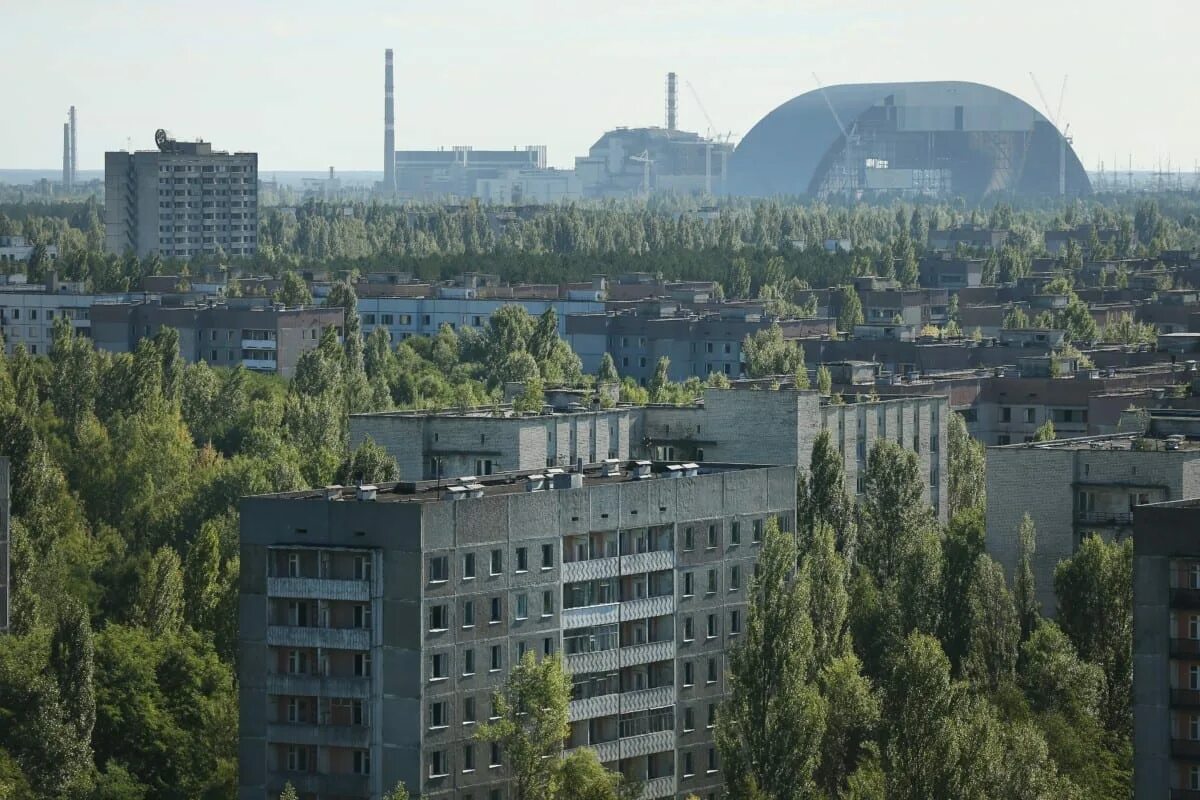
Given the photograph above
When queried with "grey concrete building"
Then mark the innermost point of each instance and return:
(740, 425)
(1166, 650)
(180, 200)
(1075, 487)
(375, 623)
(249, 331)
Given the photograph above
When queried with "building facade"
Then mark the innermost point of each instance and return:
(376, 623)
(1166, 650)
(180, 201)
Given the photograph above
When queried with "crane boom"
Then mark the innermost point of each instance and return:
(696, 96)
(832, 111)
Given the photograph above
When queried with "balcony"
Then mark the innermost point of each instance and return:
(658, 788)
(647, 607)
(259, 363)
(319, 686)
(258, 344)
(648, 562)
(647, 653)
(1185, 598)
(1185, 748)
(606, 705)
(647, 744)
(319, 589)
(319, 735)
(591, 616)
(595, 661)
(590, 570)
(330, 638)
(648, 698)
(1107, 518)
(1183, 648)
(1186, 698)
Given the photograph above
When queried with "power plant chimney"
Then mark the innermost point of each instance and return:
(66, 179)
(389, 126)
(672, 99)
(74, 152)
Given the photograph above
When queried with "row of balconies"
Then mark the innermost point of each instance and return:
(612, 613)
(341, 785)
(615, 566)
(329, 638)
(350, 688)
(357, 736)
(618, 658)
(621, 702)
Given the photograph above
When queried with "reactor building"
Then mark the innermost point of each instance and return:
(936, 139)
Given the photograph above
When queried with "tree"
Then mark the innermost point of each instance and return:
(532, 397)
(160, 599)
(289, 792)
(531, 725)
(893, 508)
(585, 778)
(850, 727)
(771, 723)
(398, 792)
(607, 372)
(1095, 610)
(660, 381)
(368, 464)
(768, 353)
(824, 380)
(995, 630)
(965, 459)
(961, 549)
(1076, 319)
(294, 291)
(1024, 590)
(918, 744)
(822, 499)
(72, 659)
(851, 312)
(828, 599)
(737, 281)
(1045, 432)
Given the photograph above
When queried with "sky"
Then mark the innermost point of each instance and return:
(301, 81)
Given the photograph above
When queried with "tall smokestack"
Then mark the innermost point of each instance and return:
(74, 152)
(389, 126)
(672, 99)
(66, 156)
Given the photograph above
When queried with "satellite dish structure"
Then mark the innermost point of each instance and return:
(165, 143)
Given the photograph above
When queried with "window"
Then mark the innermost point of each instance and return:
(688, 769)
(1001, 439)
(437, 764)
(297, 710)
(497, 562)
(293, 565)
(1194, 572)
(712, 715)
(437, 714)
(689, 673)
(712, 582)
(712, 626)
(438, 666)
(1194, 677)
(494, 756)
(362, 616)
(689, 719)
(468, 760)
(1029, 415)
(711, 676)
(468, 710)
(712, 759)
(735, 622)
(297, 758)
(468, 566)
(711, 542)
(522, 559)
(1005, 414)
(497, 657)
(756, 530)
(468, 662)
(1194, 777)
(468, 614)
(547, 603)
(548, 646)
(689, 538)
(689, 632)
(439, 569)
(438, 617)
(362, 762)
(547, 556)
(689, 588)
(522, 607)
(495, 610)
(362, 665)
(735, 532)
(1194, 727)
(735, 578)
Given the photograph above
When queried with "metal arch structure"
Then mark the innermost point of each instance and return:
(947, 138)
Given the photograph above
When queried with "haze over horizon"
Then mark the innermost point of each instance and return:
(304, 88)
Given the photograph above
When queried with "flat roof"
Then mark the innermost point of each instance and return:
(1116, 441)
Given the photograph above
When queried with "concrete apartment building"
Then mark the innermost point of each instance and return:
(730, 426)
(1075, 487)
(17, 249)
(181, 200)
(1166, 650)
(28, 312)
(249, 331)
(376, 623)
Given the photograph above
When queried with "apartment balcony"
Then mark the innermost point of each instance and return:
(595, 661)
(1184, 648)
(1106, 518)
(319, 589)
(646, 744)
(648, 562)
(645, 699)
(319, 735)
(591, 616)
(259, 363)
(329, 638)
(647, 653)
(258, 344)
(1185, 748)
(1185, 698)
(319, 686)
(607, 752)
(1185, 598)
(655, 788)
(647, 607)
(606, 705)
(590, 570)
(323, 785)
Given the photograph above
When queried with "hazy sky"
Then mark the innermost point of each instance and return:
(301, 81)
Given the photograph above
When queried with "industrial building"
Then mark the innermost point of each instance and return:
(182, 200)
(376, 622)
(1166, 650)
(739, 425)
(937, 139)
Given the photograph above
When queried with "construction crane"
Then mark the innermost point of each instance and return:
(646, 161)
(1056, 120)
(851, 136)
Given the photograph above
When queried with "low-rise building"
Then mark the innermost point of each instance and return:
(17, 249)
(969, 236)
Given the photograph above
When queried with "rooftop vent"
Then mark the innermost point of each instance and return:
(535, 483)
(333, 492)
(691, 469)
(612, 467)
(454, 493)
(568, 480)
(675, 470)
(367, 492)
(641, 470)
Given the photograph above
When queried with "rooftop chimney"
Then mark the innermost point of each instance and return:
(74, 151)
(672, 98)
(66, 178)
(389, 126)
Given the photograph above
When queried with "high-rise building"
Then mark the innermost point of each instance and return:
(181, 200)
(377, 622)
(1166, 650)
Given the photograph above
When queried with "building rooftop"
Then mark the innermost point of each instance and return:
(473, 487)
(1128, 442)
